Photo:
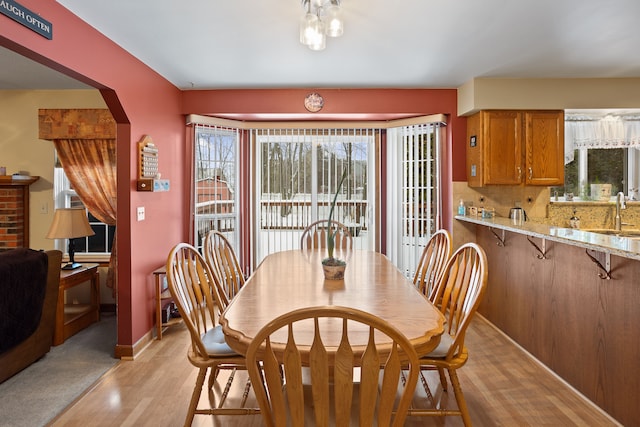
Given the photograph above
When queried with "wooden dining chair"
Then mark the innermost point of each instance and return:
(333, 396)
(222, 259)
(458, 294)
(432, 261)
(190, 282)
(315, 237)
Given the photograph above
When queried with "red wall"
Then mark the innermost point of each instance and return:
(142, 102)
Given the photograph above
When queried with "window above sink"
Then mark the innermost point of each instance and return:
(601, 146)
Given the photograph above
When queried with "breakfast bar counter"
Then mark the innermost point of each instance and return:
(571, 298)
(628, 247)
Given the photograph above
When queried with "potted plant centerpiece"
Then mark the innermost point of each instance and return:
(333, 267)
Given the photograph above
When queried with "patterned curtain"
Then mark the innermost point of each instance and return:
(90, 166)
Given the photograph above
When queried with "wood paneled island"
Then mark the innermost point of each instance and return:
(572, 299)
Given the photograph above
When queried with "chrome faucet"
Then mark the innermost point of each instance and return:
(620, 204)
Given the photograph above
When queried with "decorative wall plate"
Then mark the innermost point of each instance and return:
(313, 102)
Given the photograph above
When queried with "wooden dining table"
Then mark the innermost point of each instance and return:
(290, 280)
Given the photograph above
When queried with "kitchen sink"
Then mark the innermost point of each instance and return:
(611, 232)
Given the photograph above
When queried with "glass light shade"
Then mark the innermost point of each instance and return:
(318, 40)
(334, 24)
(308, 28)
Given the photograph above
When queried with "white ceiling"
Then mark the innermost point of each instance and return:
(210, 44)
(20, 73)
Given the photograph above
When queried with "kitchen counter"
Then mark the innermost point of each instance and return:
(575, 312)
(627, 247)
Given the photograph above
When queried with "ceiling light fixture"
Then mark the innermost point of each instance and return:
(322, 18)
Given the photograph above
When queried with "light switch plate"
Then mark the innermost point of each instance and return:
(141, 213)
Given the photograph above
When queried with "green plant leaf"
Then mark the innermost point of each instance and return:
(331, 237)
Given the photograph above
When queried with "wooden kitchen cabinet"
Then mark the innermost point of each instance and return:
(544, 147)
(513, 147)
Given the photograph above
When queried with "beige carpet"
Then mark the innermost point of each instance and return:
(36, 395)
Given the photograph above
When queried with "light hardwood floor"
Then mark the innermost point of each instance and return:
(503, 387)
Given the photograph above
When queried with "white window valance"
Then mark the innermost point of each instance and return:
(606, 132)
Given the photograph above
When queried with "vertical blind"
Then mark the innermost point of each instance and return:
(413, 211)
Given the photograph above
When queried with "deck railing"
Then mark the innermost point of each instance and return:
(296, 215)
(281, 215)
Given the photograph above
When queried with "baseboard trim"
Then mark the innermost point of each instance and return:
(130, 352)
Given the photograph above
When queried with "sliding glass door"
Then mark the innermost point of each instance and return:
(299, 172)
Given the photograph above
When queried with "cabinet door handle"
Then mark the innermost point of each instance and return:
(519, 173)
(530, 173)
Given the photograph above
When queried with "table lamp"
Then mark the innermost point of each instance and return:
(70, 223)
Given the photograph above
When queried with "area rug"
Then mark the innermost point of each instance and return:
(36, 395)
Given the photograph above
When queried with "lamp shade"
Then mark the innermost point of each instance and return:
(69, 223)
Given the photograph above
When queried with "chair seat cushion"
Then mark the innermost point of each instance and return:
(215, 344)
(440, 352)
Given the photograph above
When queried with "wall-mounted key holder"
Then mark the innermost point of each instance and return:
(148, 171)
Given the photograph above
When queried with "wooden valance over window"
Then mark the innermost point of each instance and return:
(85, 123)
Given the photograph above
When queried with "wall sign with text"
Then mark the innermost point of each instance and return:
(29, 19)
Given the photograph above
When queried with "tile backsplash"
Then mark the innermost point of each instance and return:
(593, 214)
(533, 200)
(536, 203)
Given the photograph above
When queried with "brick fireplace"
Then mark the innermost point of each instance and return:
(14, 212)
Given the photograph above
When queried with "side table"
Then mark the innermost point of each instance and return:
(72, 318)
(162, 293)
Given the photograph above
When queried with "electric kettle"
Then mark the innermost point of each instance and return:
(517, 215)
